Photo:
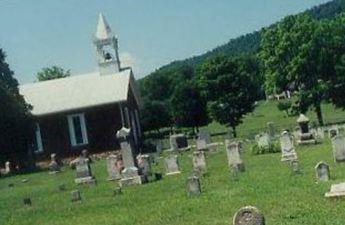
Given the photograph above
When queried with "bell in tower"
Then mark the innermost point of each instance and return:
(107, 48)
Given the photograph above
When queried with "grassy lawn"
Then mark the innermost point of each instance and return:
(283, 197)
(256, 122)
(269, 184)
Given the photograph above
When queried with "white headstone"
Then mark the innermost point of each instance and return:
(233, 153)
(287, 148)
(199, 161)
(338, 144)
(172, 165)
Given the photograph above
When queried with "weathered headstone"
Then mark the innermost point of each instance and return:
(114, 171)
(248, 215)
(178, 142)
(193, 186)
(201, 145)
(8, 167)
(338, 144)
(287, 148)
(144, 164)
(337, 190)
(233, 154)
(130, 174)
(204, 135)
(54, 165)
(322, 171)
(75, 196)
(271, 129)
(305, 137)
(83, 171)
(199, 162)
(172, 165)
(295, 167)
(333, 132)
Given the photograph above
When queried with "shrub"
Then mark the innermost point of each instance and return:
(272, 148)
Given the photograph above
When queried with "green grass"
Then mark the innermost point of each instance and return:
(269, 184)
(265, 112)
(283, 197)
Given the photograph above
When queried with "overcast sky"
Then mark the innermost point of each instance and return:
(41, 33)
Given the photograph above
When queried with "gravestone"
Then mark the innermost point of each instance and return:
(204, 135)
(337, 190)
(8, 167)
(233, 154)
(144, 164)
(199, 162)
(75, 196)
(201, 145)
(320, 132)
(130, 174)
(113, 167)
(54, 166)
(172, 165)
(83, 172)
(333, 132)
(248, 215)
(193, 186)
(338, 144)
(271, 129)
(295, 167)
(178, 142)
(287, 148)
(322, 171)
(159, 147)
(305, 137)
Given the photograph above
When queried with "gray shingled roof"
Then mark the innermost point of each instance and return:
(78, 92)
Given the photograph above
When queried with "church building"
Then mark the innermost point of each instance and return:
(85, 111)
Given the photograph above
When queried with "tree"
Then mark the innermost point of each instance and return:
(155, 115)
(50, 73)
(231, 87)
(290, 55)
(189, 107)
(15, 120)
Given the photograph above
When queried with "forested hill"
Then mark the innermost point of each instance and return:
(245, 44)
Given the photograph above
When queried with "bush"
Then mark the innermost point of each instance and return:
(284, 105)
(272, 148)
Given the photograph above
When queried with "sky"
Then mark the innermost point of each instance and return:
(41, 33)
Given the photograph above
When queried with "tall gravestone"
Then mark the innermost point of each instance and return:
(144, 164)
(54, 166)
(263, 141)
(114, 167)
(199, 162)
(338, 144)
(193, 186)
(130, 173)
(8, 167)
(233, 154)
(271, 129)
(305, 137)
(287, 148)
(322, 171)
(172, 165)
(248, 215)
(178, 142)
(83, 172)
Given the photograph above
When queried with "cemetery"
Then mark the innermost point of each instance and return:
(251, 132)
(266, 183)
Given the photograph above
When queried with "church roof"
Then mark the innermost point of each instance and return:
(77, 92)
(103, 29)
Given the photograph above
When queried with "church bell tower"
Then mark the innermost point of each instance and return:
(106, 48)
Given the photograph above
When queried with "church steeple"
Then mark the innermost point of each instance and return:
(107, 48)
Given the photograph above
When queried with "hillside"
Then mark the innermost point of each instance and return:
(245, 44)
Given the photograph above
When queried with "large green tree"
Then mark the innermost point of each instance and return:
(155, 115)
(289, 56)
(189, 107)
(50, 73)
(15, 123)
(232, 86)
